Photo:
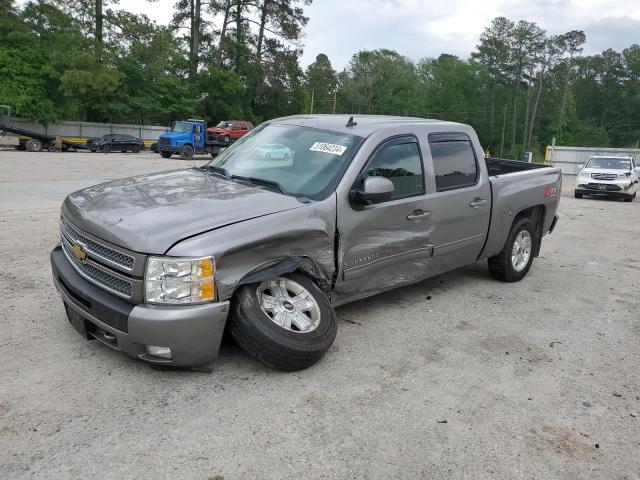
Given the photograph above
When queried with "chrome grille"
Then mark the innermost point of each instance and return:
(604, 176)
(605, 187)
(103, 252)
(97, 275)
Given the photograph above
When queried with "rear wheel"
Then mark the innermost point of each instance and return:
(166, 154)
(34, 145)
(577, 195)
(286, 322)
(187, 152)
(514, 261)
(136, 149)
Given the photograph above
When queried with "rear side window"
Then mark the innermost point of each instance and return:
(454, 163)
(400, 162)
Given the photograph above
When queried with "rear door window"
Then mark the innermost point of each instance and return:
(454, 161)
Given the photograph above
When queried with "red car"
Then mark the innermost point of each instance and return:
(231, 130)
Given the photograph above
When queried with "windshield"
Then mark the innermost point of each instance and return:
(304, 161)
(181, 127)
(613, 163)
(223, 125)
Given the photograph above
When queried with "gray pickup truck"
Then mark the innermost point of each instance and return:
(303, 214)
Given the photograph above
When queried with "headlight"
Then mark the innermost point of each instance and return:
(179, 281)
(624, 176)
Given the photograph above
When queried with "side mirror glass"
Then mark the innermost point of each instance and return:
(374, 190)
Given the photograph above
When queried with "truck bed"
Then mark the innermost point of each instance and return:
(499, 166)
(516, 186)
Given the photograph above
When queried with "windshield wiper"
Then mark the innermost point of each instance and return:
(221, 170)
(262, 182)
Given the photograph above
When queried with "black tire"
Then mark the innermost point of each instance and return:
(630, 198)
(136, 149)
(500, 266)
(260, 337)
(577, 195)
(187, 152)
(34, 145)
(226, 138)
(166, 154)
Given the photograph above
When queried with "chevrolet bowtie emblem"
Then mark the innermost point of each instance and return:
(79, 253)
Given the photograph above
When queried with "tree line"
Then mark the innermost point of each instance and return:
(223, 59)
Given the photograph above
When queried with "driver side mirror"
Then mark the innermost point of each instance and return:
(374, 190)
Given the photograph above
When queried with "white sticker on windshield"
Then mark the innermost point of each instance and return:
(328, 148)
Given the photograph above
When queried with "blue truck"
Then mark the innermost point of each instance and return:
(188, 138)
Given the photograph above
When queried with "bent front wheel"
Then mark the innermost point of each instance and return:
(286, 322)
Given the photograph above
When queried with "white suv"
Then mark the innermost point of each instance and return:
(609, 176)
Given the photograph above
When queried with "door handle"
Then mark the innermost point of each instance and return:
(478, 202)
(418, 214)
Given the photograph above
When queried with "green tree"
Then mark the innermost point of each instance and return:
(322, 80)
(23, 86)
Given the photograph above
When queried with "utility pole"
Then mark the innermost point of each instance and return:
(504, 124)
(313, 94)
(99, 27)
(335, 98)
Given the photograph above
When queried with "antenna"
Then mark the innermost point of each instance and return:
(351, 123)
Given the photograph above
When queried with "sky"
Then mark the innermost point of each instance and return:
(427, 28)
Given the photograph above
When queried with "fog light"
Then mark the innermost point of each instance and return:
(162, 352)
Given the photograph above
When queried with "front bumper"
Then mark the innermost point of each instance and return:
(589, 190)
(193, 333)
(611, 188)
(169, 148)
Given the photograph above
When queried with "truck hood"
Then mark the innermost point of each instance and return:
(175, 137)
(150, 213)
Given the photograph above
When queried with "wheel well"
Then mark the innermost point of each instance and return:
(537, 215)
(303, 265)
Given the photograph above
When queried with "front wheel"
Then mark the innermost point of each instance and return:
(286, 322)
(630, 198)
(514, 261)
(187, 152)
(577, 195)
(136, 149)
(166, 154)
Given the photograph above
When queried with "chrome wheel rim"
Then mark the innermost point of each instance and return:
(521, 252)
(289, 305)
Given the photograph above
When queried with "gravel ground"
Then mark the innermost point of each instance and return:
(456, 377)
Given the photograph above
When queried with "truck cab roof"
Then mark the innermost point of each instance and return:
(365, 125)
